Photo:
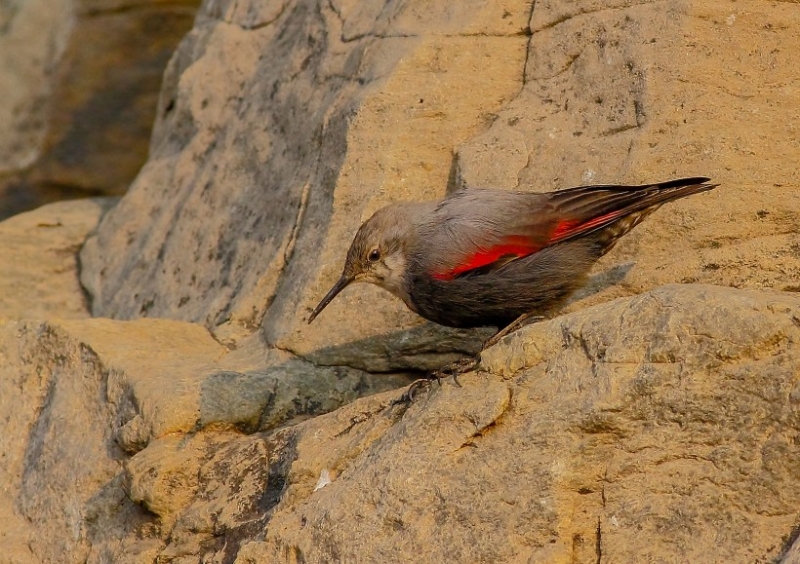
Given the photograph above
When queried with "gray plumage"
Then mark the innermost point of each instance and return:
(486, 257)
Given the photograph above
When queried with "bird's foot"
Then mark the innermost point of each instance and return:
(518, 323)
(413, 389)
(453, 369)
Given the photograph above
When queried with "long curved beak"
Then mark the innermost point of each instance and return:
(338, 287)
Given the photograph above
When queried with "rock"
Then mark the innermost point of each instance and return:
(672, 416)
(81, 396)
(57, 444)
(267, 398)
(81, 83)
(39, 262)
(270, 176)
(185, 422)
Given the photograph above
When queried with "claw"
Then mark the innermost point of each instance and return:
(411, 391)
(451, 370)
(456, 368)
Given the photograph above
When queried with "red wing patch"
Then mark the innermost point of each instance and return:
(564, 228)
(511, 246)
(569, 227)
(517, 246)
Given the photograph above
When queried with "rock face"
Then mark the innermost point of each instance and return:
(196, 417)
(641, 418)
(39, 262)
(282, 171)
(80, 396)
(646, 417)
(80, 82)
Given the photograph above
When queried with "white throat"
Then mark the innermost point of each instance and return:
(390, 275)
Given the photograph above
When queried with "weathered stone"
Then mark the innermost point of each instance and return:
(39, 262)
(426, 346)
(225, 475)
(173, 377)
(672, 416)
(271, 177)
(57, 443)
(80, 83)
(80, 395)
(263, 399)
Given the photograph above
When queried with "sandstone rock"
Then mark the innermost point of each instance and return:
(270, 177)
(662, 427)
(80, 83)
(39, 262)
(80, 396)
(57, 444)
(671, 417)
(216, 481)
(643, 418)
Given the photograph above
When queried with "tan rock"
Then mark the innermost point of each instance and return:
(80, 82)
(646, 417)
(57, 443)
(661, 427)
(39, 262)
(80, 396)
(271, 177)
(671, 417)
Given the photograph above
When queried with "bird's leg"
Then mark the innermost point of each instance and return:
(465, 365)
(511, 327)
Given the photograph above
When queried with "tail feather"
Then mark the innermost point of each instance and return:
(589, 209)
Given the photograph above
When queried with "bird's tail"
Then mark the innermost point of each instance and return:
(615, 209)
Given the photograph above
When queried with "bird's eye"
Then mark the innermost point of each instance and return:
(374, 255)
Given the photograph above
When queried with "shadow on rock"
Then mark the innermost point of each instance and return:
(263, 399)
(420, 349)
(602, 280)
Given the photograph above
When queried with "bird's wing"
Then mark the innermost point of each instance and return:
(482, 230)
(478, 229)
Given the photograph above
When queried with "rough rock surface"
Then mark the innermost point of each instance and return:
(81, 396)
(80, 81)
(646, 417)
(39, 261)
(257, 182)
(662, 427)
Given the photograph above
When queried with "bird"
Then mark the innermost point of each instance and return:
(487, 257)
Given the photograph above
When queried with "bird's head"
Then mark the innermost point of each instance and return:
(377, 255)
